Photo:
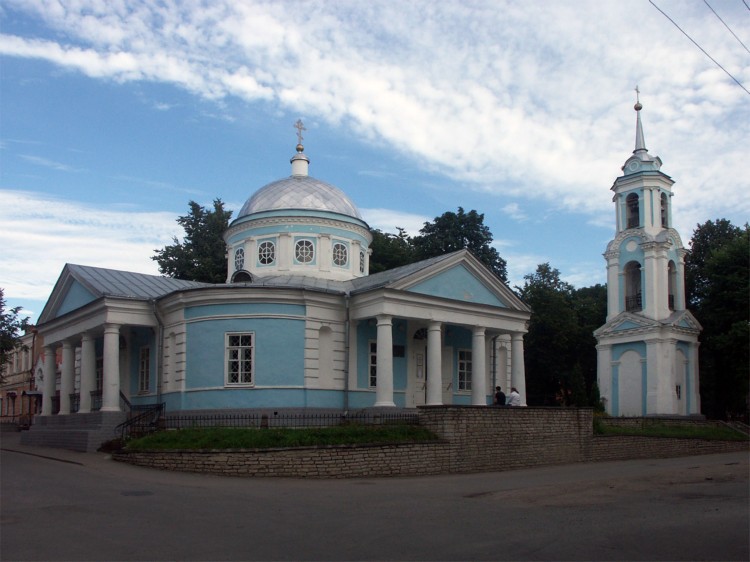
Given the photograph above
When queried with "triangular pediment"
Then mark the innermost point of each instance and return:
(458, 283)
(624, 322)
(460, 277)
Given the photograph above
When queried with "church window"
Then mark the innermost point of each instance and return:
(361, 262)
(631, 203)
(240, 358)
(664, 211)
(144, 369)
(464, 369)
(373, 364)
(339, 254)
(239, 258)
(633, 297)
(304, 251)
(266, 253)
(678, 391)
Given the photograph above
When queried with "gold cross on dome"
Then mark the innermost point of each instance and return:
(300, 127)
(637, 93)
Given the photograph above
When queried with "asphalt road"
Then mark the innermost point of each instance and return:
(77, 506)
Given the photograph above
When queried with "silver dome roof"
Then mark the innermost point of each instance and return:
(299, 192)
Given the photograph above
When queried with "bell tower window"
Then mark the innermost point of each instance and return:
(664, 211)
(631, 204)
(633, 295)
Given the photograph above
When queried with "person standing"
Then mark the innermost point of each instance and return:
(499, 397)
(514, 399)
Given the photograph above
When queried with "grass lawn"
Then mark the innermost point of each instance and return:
(251, 438)
(663, 430)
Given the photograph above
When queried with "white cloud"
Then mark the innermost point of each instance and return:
(530, 100)
(38, 230)
(513, 210)
(387, 220)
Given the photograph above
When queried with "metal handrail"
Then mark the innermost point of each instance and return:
(147, 421)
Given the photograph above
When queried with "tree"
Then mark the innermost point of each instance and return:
(455, 231)
(590, 306)
(11, 330)
(390, 250)
(202, 254)
(719, 286)
(707, 239)
(549, 348)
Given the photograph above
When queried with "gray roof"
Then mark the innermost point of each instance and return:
(385, 278)
(127, 284)
(299, 193)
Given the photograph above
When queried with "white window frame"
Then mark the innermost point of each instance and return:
(340, 246)
(228, 359)
(239, 259)
(270, 259)
(464, 373)
(144, 369)
(297, 244)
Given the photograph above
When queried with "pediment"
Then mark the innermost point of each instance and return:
(461, 278)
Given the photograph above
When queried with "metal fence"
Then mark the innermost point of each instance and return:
(287, 420)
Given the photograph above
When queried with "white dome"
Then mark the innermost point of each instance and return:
(299, 193)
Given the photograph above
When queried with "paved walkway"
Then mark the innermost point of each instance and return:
(62, 505)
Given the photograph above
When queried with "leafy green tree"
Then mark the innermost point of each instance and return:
(455, 231)
(719, 286)
(390, 250)
(201, 256)
(549, 348)
(11, 330)
(590, 306)
(707, 239)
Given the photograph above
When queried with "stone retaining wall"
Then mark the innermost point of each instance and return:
(472, 439)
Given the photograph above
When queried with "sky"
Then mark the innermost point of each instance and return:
(115, 114)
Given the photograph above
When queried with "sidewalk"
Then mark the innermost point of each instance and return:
(11, 441)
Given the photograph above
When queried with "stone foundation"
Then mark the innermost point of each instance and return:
(472, 439)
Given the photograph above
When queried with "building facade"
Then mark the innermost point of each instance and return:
(20, 398)
(648, 347)
(299, 323)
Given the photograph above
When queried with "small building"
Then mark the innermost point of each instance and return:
(20, 398)
(648, 347)
(299, 323)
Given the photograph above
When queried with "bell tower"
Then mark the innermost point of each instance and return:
(648, 348)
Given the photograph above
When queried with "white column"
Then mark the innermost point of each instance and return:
(67, 373)
(613, 287)
(434, 365)
(49, 380)
(478, 368)
(694, 374)
(352, 354)
(88, 372)
(517, 370)
(384, 389)
(604, 374)
(111, 382)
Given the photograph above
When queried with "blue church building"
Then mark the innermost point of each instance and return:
(299, 322)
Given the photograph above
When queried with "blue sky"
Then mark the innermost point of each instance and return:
(115, 114)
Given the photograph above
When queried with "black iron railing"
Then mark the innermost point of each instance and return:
(288, 420)
(633, 303)
(141, 421)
